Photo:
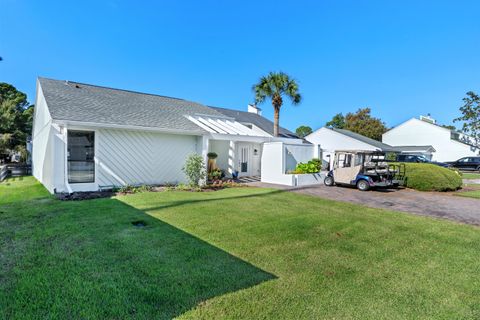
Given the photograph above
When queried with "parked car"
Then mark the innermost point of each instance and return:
(364, 170)
(467, 163)
(419, 159)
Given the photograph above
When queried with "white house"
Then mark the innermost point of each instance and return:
(332, 139)
(449, 145)
(86, 137)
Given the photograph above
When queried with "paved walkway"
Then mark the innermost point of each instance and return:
(441, 205)
(471, 181)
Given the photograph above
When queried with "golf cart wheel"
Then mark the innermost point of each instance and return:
(328, 181)
(363, 185)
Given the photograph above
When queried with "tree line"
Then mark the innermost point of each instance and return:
(16, 118)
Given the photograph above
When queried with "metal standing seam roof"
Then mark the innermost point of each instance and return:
(225, 126)
(257, 120)
(74, 101)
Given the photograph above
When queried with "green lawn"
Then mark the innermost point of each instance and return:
(470, 194)
(469, 175)
(237, 253)
(470, 191)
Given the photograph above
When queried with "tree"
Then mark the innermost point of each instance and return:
(337, 122)
(303, 131)
(16, 117)
(275, 86)
(363, 123)
(449, 127)
(471, 116)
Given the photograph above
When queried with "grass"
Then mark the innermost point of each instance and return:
(235, 253)
(429, 177)
(470, 194)
(470, 191)
(468, 175)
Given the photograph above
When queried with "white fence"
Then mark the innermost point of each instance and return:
(4, 172)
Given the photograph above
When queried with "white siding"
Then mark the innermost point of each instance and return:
(141, 157)
(42, 150)
(418, 132)
(273, 168)
(221, 148)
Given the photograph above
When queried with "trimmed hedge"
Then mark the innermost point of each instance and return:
(430, 177)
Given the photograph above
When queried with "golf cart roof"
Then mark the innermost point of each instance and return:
(361, 151)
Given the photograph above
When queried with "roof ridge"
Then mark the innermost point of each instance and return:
(125, 90)
(361, 135)
(231, 110)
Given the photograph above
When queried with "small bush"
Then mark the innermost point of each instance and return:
(134, 189)
(194, 169)
(312, 166)
(216, 174)
(430, 177)
(212, 155)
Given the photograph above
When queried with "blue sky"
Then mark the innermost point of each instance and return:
(401, 58)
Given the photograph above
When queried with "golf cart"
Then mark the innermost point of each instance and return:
(365, 170)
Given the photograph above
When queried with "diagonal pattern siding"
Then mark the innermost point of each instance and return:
(140, 157)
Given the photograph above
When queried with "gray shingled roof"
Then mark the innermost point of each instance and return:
(73, 101)
(359, 137)
(259, 121)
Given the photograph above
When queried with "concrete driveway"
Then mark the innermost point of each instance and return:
(441, 205)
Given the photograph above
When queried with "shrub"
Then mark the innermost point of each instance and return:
(134, 189)
(312, 166)
(430, 177)
(215, 174)
(212, 155)
(194, 169)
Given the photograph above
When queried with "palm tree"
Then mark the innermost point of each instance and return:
(274, 86)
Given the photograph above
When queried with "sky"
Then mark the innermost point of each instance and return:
(400, 58)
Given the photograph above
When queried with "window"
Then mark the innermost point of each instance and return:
(358, 159)
(344, 160)
(80, 156)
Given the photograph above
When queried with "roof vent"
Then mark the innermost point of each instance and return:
(428, 119)
(252, 108)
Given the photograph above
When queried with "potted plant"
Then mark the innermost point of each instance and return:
(211, 165)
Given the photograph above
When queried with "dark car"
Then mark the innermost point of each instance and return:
(419, 159)
(467, 163)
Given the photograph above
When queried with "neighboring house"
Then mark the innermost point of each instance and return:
(449, 145)
(87, 136)
(332, 139)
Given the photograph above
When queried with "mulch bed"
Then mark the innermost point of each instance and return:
(77, 196)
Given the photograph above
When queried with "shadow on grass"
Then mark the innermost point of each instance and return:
(190, 269)
(173, 204)
(106, 259)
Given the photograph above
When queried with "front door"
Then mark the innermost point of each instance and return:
(244, 159)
